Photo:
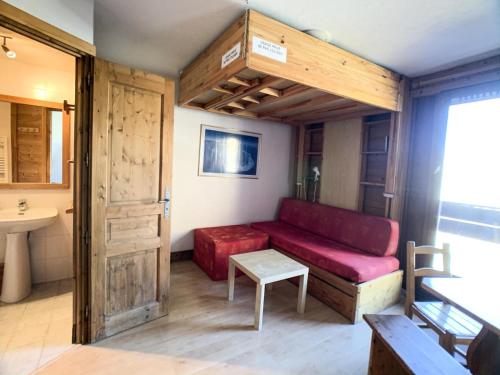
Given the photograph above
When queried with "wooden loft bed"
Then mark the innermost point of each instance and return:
(263, 69)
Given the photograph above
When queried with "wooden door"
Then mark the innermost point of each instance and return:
(131, 176)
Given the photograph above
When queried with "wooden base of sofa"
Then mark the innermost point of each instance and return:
(350, 299)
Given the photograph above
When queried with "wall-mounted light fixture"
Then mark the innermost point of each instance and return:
(10, 53)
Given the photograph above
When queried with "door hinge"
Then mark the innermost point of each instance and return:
(89, 79)
(87, 237)
(87, 157)
(86, 312)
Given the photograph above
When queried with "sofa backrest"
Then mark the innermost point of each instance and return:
(371, 234)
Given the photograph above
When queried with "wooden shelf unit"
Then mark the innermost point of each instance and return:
(374, 165)
(313, 157)
(305, 80)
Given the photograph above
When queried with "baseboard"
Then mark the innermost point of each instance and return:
(179, 256)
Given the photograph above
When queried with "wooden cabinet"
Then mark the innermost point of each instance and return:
(310, 155)
(357, 161)
(313, 155)
(375, 151)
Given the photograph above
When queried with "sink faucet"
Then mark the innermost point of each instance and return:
(22, 204)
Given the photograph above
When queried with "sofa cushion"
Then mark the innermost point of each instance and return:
(329, 255)
(371, 234)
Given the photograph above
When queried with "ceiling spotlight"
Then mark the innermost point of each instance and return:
(10, 54)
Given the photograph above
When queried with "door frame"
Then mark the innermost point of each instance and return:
(32, 27)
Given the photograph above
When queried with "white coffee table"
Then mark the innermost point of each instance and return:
(264, 267)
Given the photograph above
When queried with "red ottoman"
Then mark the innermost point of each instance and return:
(213, 246)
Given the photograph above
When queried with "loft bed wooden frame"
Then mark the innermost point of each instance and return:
(318, 82)
(315, 83)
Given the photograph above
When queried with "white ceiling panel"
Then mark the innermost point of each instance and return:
(410, 37)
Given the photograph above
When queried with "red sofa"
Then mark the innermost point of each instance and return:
(344, 249)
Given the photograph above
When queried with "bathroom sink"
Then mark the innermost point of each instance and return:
(15, 221)
(16, 283)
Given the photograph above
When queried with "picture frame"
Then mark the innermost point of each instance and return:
(229, 152)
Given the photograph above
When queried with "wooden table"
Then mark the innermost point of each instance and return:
(265, 267)
(481, 301)
(399, 346)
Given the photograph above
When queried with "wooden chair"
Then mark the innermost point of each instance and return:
(452, 326)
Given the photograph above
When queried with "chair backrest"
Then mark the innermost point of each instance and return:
(412, 272)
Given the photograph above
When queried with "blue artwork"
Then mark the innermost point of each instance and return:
(229, 153)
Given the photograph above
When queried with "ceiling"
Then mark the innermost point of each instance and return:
(31, 52)
(410, 37)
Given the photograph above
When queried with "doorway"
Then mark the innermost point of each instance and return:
(469, 217)
(37, 133)
(101, 218)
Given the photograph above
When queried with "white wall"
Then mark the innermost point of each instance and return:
(37, 82)
(75, 17)
(199, 201)
(51, 247)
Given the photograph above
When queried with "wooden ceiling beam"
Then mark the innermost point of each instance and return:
(285, 93)
(251, 99)
(348, 115)
(222, 90)
(235, 105)
(239, 81)
(308, 105)
(271, 92)
(232, 111)
(322, 112)
(312, 116)
(242, 91)
(254, 115)
(194, 105)
(229, 95)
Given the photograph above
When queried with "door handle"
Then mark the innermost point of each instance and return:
(166, 210)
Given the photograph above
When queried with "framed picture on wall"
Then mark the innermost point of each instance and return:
(228, 152)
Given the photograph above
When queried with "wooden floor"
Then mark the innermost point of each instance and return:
(205, 334)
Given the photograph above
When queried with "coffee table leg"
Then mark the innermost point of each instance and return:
(230, 281)
(259, 305)
(301, 304)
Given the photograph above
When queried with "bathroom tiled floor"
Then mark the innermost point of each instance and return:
(37, 329)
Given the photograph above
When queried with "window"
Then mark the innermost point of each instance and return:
(470, 192)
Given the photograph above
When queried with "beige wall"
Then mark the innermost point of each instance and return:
(211, 201)
(341, 163)
(51, 247)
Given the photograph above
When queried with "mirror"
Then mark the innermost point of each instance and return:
(34, 144)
